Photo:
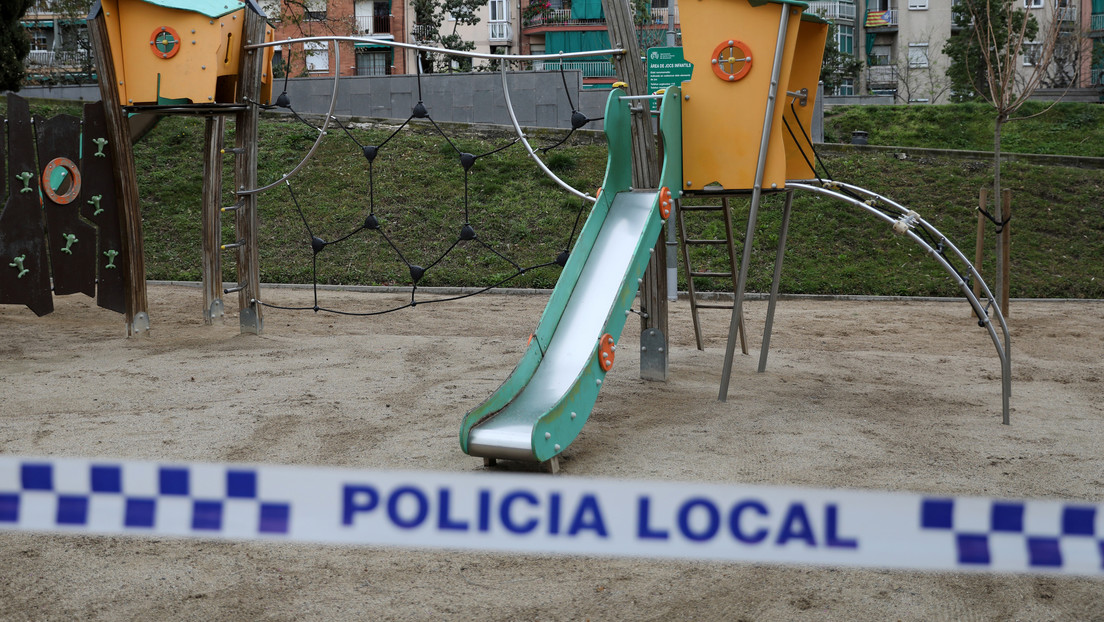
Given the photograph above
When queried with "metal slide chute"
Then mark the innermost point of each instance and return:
(907, 223)
(540, 409)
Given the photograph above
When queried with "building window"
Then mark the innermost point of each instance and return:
(372, 63)
(1033, 4)
(1031, 53)
(39, 41)
(918, 55)
(845, 39)
(882, 55)
(918, 5)
(318, 55)
(846, 87)
(315, 10)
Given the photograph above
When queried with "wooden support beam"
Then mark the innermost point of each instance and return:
(645, 174)
(126, 182)
(245, 175)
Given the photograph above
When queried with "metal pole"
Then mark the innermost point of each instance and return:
(775, 282)
(756, 196)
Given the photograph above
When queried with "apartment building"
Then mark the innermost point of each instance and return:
(901, 42)
(380, 19)
(59, 44)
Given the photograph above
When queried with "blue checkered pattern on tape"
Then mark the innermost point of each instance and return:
(1042, 540)
(141, 500)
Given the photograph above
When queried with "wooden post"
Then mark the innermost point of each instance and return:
(979, 248)
(212, 219)
(126, 181)
(1005, 248)
(645, 173)
(245, 175)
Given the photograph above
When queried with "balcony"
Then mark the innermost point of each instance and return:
(48, 58)
(1066, 14)
(881, 19)
(373, 24)
(1096, 22)
(881, 76)
(500, 31)
(589, 68)
(557, 18)
(833, 9)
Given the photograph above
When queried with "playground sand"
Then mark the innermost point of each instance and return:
(873, 395)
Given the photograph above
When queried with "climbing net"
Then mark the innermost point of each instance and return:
(379, 222)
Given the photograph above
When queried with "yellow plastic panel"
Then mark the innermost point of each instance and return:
(805, 74)
(114, 39)
(722, 119)
(192, 72)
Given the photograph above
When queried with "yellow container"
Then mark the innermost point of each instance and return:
(167, 55)
(725, 103)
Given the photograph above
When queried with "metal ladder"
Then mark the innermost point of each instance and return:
(686, 242)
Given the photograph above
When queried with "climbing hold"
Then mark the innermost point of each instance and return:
(100, 144)
(420, 111)
(371, 222)
(317, 244)
(561, 259)
(416, 273)
(17, 263)
(370, 152)
(620, 85)
(606, 349)
(665, 202)
(467, 160)
(25, 177)
(70, 239)
(111, 254)
(95, 201)
(578, 119)
(467, 232)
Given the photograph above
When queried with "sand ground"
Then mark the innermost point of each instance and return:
(872, 395)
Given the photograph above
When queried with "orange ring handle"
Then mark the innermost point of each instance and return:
(725, 57)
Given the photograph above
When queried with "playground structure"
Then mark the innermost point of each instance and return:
(744, 53)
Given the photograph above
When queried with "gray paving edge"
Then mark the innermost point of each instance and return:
(505, 291)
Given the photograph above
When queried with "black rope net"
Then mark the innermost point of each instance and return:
(376, 222)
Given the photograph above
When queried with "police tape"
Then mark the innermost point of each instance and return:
(566, 515)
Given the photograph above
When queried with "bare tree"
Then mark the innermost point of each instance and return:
(920, 74)
(1003, 29)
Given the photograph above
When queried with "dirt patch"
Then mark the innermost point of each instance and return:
(873, 395)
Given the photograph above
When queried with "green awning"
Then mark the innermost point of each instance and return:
(576, 41)
(43, 23)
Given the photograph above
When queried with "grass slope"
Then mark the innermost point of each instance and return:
(1058, 222)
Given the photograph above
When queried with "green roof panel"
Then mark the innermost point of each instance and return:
(210, 8)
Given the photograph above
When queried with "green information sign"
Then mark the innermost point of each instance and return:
(667, 67)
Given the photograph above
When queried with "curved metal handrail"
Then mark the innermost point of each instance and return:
(317, 141)
(427, 48)
(529, 148)
(913, 220)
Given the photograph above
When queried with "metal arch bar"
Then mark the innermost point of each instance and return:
(533, 154)
(321, 132)
(1002, 348)
(426, 48)
(628, 97)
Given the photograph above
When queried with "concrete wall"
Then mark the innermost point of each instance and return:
(78, 92)
(538, 97)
